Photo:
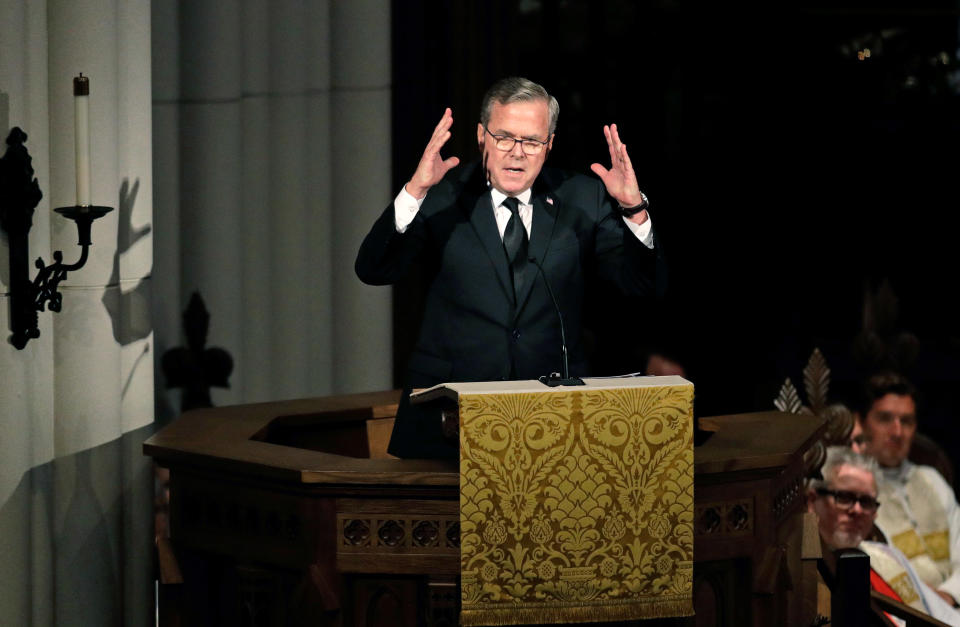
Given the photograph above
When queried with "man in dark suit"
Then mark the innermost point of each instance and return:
(488, 314)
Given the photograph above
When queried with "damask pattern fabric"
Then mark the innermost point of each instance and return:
(576, 505)
(896, 573)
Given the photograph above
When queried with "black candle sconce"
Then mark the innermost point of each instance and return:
(19, 195)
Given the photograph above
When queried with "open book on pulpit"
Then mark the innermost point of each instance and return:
(576, 503)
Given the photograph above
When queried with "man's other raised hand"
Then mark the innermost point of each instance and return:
(432, 167)
(620, 181)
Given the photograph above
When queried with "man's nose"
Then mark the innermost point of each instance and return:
(896, 428)
(517, 150)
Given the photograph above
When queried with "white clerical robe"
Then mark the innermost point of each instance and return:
(919, 515)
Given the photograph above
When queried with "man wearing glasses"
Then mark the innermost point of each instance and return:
(845, 503)
(481, 230)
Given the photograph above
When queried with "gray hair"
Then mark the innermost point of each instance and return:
(517, 89)
(838, 456)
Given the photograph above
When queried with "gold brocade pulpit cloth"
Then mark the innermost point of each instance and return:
(576, 503)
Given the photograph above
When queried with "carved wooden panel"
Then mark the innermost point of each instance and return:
(244, 520)
(373, 536)
(728, 518)
(443, 603)
(787, 496)
(408, 534)
(384, 602)
(720, 598)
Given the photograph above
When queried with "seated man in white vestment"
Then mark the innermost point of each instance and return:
(919, 514)
(845, 503)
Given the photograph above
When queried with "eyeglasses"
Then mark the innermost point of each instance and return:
(506, 143)
(846, 499)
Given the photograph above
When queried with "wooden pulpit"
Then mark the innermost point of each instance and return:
(292, 513)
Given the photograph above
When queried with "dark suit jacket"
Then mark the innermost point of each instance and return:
(472, 329)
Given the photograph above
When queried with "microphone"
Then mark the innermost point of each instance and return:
(555, 379)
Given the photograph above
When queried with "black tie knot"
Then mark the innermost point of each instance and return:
(512, 204)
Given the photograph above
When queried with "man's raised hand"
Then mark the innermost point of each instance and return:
(432, 167)
(620, 181)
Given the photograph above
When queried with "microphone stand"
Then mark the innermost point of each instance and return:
(555, 379)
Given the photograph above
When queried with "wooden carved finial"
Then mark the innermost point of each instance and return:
(816, 381)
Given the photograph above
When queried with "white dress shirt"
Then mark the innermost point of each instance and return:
(405, 208)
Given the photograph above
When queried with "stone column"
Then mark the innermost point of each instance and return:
(318, 282)
(360, 119)
(87, 379)
(26, 387)
(287, 213)
(167, 308)
(133, 262)
(103, 337)
(258, 207)
(74, 501)
(211, 187)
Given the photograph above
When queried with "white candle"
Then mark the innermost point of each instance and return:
(81, 114)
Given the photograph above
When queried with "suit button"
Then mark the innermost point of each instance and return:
(515, 335)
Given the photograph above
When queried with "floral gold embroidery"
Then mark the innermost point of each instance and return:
(576, 499)
(938, 544)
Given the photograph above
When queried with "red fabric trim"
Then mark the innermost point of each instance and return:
(877, 583)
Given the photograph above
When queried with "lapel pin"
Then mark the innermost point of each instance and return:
(549, 200)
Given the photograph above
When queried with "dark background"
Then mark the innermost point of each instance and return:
(789, 178)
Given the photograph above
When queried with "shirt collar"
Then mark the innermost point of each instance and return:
(899, 473)
(498, 196)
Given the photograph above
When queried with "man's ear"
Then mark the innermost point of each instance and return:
(811, 499)
(480, 136)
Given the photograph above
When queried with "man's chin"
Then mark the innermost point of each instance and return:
(887, 456)
(511, 188)
(846, 539)
(890, 460)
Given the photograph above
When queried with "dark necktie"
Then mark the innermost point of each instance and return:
(515, 243)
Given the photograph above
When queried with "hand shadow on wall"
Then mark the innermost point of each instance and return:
(130, 313)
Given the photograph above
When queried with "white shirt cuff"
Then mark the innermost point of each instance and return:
(405, 208)
(643, 232)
